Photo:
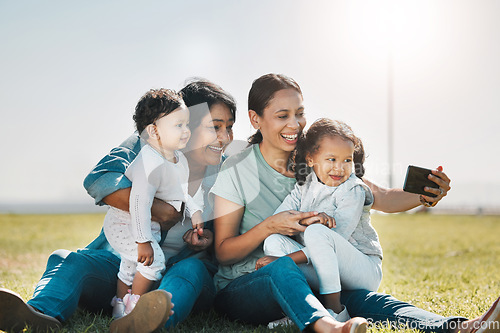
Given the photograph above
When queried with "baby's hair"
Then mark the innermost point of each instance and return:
(308, 144)
(155, 104)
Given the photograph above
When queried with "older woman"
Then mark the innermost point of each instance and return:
(87, 278)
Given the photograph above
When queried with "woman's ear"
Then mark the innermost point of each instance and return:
(151, 131)
(254, 119)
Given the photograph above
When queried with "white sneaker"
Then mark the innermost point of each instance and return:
(343, 316)
(285, 321)
(118, 307)
(130, 301)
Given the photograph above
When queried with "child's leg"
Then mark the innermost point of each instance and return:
(146, 275)
(279, 245)
(332, 301)
(121, 289)
(141, 285)
(144, 278)
(339, 264)
(117, 231)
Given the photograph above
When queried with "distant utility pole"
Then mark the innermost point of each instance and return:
(390, 109)
(390, 92)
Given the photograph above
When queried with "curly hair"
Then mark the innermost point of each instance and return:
(308, 144)
(155, 104)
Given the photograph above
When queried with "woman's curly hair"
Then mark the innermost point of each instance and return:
(308, 144)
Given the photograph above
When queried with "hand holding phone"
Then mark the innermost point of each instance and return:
(417, 179)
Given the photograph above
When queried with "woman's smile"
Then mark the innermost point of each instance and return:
(290, 138)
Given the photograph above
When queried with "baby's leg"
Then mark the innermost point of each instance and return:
(279, 245)
(120, 238)
(146, 275)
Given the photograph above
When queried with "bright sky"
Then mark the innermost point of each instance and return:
(71, 74)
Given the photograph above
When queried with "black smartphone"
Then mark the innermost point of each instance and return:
(416, 179)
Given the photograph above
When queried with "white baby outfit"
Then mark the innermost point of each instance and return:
(152, 176)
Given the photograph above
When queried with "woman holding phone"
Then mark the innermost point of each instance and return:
(249, 188)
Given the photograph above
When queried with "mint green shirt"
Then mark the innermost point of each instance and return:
(247, 180)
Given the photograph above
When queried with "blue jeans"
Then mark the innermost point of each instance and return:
(385, 309)
(268, 294)
(192, 288)
(87, 278)
(280, 288)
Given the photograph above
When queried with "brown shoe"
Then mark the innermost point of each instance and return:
(150, 313)
(15, 314)
(490, 321)
(355, 325)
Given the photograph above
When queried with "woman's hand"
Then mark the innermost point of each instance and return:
(321, 218)
(145, 253)
(264, 261)
(441, 179)
(198, 240)
(288, 223)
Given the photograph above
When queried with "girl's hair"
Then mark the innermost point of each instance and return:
(262, 92)
(203, 91)
(308, 144)
(155, 104)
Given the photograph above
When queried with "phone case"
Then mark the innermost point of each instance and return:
(416, 180)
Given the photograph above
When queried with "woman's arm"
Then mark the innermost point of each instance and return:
(161, 212)
(397, 200)
(392, 200)
(231, 247)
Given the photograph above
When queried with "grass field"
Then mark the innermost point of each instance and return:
(445, 264)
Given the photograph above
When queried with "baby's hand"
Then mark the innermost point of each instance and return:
(145, 253)
(197, 222)
(264, 261)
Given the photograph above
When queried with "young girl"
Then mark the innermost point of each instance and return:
(159, 171)
(329, 165)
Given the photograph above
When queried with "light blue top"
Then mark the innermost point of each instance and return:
(247, 180)
(349, 204)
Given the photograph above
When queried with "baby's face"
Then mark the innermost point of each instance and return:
(333, 161)
(173, 129)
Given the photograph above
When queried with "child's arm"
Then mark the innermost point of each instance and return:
(292, 201)
(144, 188)
(145, 253)
(194, 211)
(197, 222)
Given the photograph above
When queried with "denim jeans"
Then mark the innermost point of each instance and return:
(385, 309)
(280, 289)
(192, 288)
(276, 290)
(87, 278)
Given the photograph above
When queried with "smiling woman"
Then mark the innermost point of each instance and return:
(92, 271)
(276, 111)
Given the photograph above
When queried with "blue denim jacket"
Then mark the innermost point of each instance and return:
(108, 176)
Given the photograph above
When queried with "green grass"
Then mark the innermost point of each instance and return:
(444, 264)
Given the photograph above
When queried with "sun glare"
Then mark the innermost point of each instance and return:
(394, 26)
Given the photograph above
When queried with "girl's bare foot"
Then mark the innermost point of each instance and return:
(489, 322)
(330, 325)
